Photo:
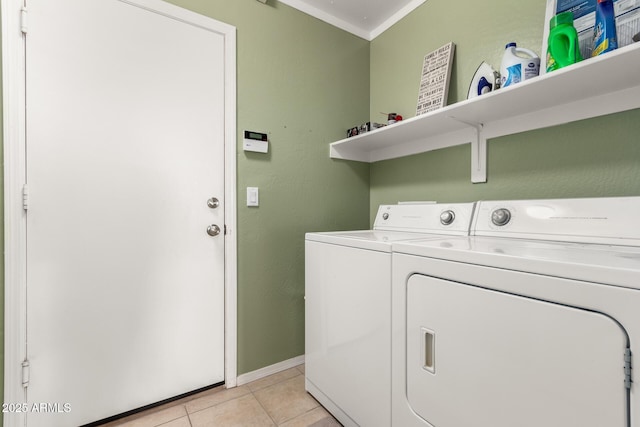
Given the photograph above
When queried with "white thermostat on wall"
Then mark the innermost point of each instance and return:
(255, 141)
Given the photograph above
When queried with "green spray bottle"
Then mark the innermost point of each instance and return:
(563, 48)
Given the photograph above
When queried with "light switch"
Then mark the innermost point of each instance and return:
(253, 196)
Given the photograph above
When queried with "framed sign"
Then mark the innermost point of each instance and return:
(434, 83)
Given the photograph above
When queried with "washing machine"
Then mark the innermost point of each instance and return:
(533, 320)
(348, 307)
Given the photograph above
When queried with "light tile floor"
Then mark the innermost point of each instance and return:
(277, 400)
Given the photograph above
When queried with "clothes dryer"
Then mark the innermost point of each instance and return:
(534, 320)
(348, 308)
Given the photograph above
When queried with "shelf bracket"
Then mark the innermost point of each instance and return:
(478, 152)
(479, 157)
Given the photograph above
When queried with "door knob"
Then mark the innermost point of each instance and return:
(213, 203)
(213, 230)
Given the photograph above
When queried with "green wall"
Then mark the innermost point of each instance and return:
(304, 83)
(598, 157)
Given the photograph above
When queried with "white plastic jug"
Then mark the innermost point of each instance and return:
(518, 64)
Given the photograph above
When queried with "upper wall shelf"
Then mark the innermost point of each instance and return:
(606, 84)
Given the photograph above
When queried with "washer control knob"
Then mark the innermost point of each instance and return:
(447, 217)
(500, 217)
(385, 216)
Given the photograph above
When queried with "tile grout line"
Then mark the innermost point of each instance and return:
(260, 403)
(217, 404)
(271, 385)
(297, 416)
(184, 406)
(263, 408)
(252, 392)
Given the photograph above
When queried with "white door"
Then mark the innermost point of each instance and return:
(479, 357)
(125, 145)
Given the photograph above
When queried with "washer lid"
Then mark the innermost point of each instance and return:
(378, 240)
(412, 221)
(615, 265)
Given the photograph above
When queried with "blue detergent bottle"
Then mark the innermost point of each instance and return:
(604, 32)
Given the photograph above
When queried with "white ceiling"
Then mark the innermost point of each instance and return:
(364, 18)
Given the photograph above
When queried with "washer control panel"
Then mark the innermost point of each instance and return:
(608, 220)
(439, 218)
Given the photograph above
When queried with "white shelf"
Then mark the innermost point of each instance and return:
(603, 85)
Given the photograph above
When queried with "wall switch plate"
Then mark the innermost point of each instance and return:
(253, 196)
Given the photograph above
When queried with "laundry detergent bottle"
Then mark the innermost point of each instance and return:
(604, 32)
(563, 48)
(518, 64)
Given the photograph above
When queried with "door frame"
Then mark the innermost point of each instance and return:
(14, 22)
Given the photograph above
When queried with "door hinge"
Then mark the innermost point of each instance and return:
(627, 368)
(225, 229)
(25, 197)
(23, 19)
(25, 373)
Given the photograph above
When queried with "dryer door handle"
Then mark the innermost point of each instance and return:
(429, 350)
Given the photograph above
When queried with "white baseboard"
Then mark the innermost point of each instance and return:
(270, 370)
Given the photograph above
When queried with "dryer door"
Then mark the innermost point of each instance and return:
(483, 358)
